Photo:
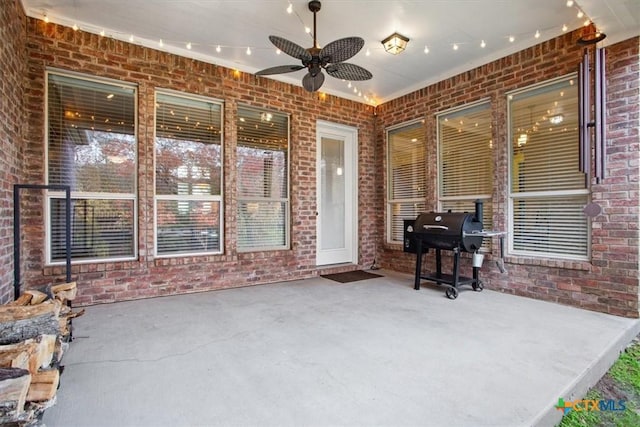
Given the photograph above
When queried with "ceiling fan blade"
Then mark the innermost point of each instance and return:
(290, 48)
(342, 49)
(348, 71)
(280, 69)
(312, 83)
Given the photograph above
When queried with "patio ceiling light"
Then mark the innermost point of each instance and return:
(395, 43)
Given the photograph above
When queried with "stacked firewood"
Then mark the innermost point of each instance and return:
(34, 330)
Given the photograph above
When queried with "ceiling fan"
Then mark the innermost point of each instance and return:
(331, 58)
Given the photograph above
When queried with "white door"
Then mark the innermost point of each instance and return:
(337, 196)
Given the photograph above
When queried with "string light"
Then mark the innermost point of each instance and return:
(587, 22)
(46, 18)
(455, 46)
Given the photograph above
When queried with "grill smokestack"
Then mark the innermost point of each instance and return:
(479, 210)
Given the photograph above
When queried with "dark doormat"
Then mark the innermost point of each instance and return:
(350, 276)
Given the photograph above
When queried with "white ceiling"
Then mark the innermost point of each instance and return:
(236, 25)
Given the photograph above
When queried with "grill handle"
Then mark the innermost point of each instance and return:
(435, 227)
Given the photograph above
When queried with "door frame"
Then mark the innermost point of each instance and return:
(350, 136)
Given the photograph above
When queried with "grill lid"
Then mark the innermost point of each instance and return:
(449, 230)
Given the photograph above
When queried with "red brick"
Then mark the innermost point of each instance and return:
(615, 228)
(597, 285)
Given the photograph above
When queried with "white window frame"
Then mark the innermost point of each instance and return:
(194, 197)
(391, 202)
(286, 201)
(81, 195)
(539, 194)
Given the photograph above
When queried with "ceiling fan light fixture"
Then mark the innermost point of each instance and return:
(395, 43)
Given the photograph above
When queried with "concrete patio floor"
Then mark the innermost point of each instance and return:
(320, 353)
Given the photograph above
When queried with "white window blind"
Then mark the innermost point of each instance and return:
(407, 157)
(465, 165)
(263, 180)
(188, 150)
(91, 146)
(548, 193)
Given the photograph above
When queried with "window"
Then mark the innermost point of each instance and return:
(188, 151)
(548, 193)
(407, 159)
(263, 180)
(91, 146)
(465, 164)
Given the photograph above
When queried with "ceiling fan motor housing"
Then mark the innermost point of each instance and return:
(314, 6)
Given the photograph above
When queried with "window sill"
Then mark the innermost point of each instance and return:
(565, 264)
(54, 264)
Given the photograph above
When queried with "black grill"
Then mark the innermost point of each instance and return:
(452, 231)
(448, 230)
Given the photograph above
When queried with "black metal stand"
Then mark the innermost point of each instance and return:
(453, 281)
(16, 233)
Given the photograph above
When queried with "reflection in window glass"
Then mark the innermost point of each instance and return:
(91, 146)
(548, 193)
(188, 151)
(406, 166)
(465, 166)
(263, 180)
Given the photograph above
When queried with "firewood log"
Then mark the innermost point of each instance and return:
(23, 299)
(45, 351)
(19, 323)
(58, 351)
(36, 296)
(18, 355)
(65, 320)
(65, 291)
(43, 385)
(32, 354)
(14, 386)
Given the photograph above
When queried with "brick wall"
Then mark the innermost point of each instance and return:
(56, 46)
(12, 69)
(609, 282)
